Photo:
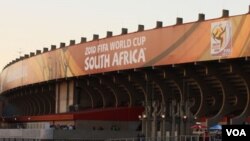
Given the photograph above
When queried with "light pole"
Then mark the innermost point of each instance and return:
(143, 119)
(163, 126)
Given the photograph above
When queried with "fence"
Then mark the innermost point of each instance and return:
(169, 138)
(175, 138)
(181, 138)
(25, 139)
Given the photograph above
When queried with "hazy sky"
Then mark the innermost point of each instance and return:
(28, 25)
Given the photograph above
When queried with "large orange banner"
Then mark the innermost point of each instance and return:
(198, 41)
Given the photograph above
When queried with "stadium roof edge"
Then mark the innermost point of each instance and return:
(179, 21)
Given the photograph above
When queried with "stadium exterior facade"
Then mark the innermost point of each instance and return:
(158, 81)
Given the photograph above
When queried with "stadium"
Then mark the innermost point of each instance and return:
(157, 83)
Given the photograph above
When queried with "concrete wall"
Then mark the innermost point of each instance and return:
(64, 134)
(102, 135)
(27, 133)
(88, 125)
(84, 130)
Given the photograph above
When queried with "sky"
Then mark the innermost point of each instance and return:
(30, 25)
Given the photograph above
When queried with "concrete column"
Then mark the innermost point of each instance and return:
(143, 123)
(64, 96)
(140, 27)
(149, 109)
(148, 122)
(163, 121)
(201, 17)
(1, 104)
(70, 93)
(190, 118)
(109, 34)
(182, 118)
(124, 31)
(72, 42)
(173, 116)
(163, 129)
(154, 121)
(225, 13)
(77, 93)
(179, 21)
(95, 37)
(83, 40)
(159, 24)
(57, 98)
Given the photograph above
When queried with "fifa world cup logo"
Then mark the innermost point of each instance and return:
(218, 34)
(221, 38)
